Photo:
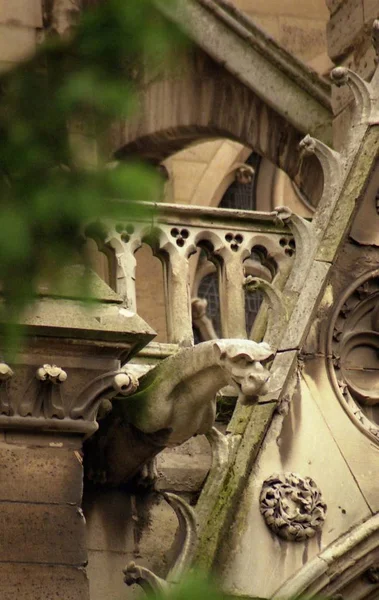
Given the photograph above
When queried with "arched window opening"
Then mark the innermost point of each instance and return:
(242, 192)
(151, 304)
(206, 317)
(208, 290)
(102, 262)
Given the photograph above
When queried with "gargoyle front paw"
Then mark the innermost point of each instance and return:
(145, 578)
(131, 573)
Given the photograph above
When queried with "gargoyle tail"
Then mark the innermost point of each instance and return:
(187, 523)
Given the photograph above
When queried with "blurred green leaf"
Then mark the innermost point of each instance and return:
(52, 109)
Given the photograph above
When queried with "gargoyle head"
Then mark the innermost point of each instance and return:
(244, 362)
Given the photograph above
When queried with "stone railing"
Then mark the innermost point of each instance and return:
(234, 241)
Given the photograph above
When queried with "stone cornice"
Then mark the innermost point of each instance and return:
(44, 404)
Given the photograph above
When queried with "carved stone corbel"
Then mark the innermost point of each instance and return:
(331, 162)
(103, 387)
(362, 91)
(46, 405)
(366, 98)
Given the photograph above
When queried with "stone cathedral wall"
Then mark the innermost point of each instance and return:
(319, 35)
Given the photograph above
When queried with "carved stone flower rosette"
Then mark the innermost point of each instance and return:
(292, 506)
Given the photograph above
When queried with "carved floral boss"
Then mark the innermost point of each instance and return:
(353, 352)
(292, 506)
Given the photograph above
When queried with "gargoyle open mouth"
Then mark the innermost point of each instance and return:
(244, 396)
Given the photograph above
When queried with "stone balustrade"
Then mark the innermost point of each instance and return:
(239, 243)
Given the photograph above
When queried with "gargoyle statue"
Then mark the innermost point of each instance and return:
(175, 401)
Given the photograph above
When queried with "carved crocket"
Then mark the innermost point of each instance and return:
(175, 401)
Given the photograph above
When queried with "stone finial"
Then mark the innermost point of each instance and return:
(292, 506)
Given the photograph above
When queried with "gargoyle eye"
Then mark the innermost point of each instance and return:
(242, 361)
(267, 363)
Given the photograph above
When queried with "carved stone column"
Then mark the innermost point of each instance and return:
(70, 366)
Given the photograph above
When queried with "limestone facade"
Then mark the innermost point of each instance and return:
(280, 498)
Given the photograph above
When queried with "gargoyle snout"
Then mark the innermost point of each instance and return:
(264, 376)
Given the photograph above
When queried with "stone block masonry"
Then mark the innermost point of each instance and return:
(42, 528)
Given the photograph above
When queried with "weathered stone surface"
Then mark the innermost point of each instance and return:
(359, 452)
(42, 533)
(109, 520)
(124, 528)
(223, 513)
(32, 439)
(40, 475)
(281, 370)
(303, 37)
(349, 195)
(39, 582)
(301, 315)
(221, 93)
(310, 9)
(370, 9)
(182, 473)
(362, 61)
(106, 578)
(334, 5)
(305, 445)
(21, 12)
(16, 42)
(343, 28)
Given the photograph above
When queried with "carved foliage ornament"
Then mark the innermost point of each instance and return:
(353, 352)
(46, 404)
(292, 506)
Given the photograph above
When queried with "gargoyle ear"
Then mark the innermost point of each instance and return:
(220, 353)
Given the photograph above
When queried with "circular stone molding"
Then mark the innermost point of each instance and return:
(352, 352)
(292, 506)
